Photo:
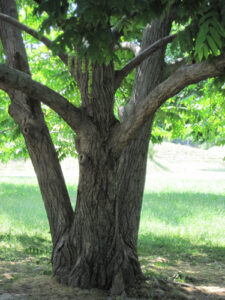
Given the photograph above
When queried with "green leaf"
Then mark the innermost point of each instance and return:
(202, 36)
(212, 45)
(220, 28)
(208, 17)
(200, 54)
(205, 51)
(215, 36)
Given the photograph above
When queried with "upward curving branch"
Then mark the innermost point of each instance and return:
(12, 78)
(34, 33)
(182, 77)
(136, 61)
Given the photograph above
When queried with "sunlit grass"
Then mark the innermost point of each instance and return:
(23, 221)
(181, 218)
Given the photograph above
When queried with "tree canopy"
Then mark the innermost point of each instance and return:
(108, 31)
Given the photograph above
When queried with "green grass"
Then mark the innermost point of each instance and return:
(181, 219)
(24, 227)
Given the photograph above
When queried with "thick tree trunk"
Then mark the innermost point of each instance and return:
(93, 253)
(95, 246)
(28, 115)
(132, 168)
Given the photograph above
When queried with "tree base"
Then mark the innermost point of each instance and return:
(116, 273)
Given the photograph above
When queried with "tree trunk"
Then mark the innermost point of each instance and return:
(132, 168)
(28, 115)
(95, 246)
(92, 253)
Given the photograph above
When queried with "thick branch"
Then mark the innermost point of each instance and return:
(12, 78)
(135, 62)
(33, 33)
(131, 46)
(184, 76)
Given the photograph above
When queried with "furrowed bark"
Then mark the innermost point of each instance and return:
(28, 115)
(132, 167)
(93, 252)
(96, 84)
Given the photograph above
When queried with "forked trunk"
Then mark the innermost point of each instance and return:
(95, 246)
(93, 252)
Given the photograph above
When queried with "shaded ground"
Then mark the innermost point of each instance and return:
(30, 279)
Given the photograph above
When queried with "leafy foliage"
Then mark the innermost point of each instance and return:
(48, 70)
(11, 140)
(197, 114)
(88, 26)
(95, 28)
(203, 34)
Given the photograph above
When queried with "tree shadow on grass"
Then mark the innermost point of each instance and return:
(175, 248)
(170, 208)
(175, 208)
(182, 268)
(168, 220)
(25, 246)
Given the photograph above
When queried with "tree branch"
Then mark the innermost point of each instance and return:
(34, 33)
(12, 78)
(131, 46)
(123, 133)
(133, 63)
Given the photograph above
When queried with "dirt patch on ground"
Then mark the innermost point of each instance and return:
(31, 281)
(198, 280)
(25, 279)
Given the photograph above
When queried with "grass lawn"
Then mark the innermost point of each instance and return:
(182, 227)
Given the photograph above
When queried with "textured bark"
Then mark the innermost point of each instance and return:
(93, 252)
(132, 168)
(28, 115)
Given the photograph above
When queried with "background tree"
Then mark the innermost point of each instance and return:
(96, 245)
